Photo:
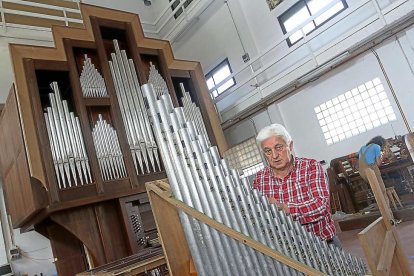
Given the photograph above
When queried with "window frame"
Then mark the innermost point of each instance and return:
(297, 6)
(212, 72)
(180, 11)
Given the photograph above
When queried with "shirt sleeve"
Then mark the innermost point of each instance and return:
(377, 151)
(315, 207)
(257, 181)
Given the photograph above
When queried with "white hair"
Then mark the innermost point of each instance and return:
(273, 130)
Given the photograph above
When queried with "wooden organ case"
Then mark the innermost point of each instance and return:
(78, 203)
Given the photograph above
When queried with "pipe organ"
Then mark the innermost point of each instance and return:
(77, 145)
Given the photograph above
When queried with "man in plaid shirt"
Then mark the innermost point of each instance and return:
(296, 185)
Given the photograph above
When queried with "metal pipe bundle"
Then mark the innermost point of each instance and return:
(192, 112)
(70, 160)
(108, 151)
(134, 115)
(92, 83)
(200, 179)
(157, 81)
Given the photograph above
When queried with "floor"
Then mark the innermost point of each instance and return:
(350, 242)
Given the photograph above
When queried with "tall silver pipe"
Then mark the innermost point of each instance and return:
(67, 140)
(108, 150)
(142, 143)
(92, 83)
(55, 151)
(190, 195)
(123, 103)
(191, 226)
(226, 245)
(154, 78)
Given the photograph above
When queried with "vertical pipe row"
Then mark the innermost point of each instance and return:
(70, 160)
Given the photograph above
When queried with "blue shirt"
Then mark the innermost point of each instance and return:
(372, 153)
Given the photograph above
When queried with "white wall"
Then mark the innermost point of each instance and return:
(212, 39)
(37, 256)
(146, 13)
(209, 41)
(297, 111)
(250, 127)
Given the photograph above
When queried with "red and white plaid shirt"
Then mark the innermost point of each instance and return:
(305, 192)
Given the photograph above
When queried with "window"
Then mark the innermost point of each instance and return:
(300, 13)
(245, 157)
(180, 10)
(216, 79)
(356, 111)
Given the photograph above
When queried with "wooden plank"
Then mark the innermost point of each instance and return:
(13, 163)
(163, 198)
(387, 253)
(371, 241)
(32, 9)
(171, 233)
(179, 73)
(74, 15)
(380, 198)
(134, 269)
(57, 3)
(31, 20)
(76, 25)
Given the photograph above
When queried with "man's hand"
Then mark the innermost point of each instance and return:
(281, 206)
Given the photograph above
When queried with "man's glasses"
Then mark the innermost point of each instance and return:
(278, 148)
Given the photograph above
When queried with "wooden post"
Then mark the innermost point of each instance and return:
(380, 241)
(170, 231)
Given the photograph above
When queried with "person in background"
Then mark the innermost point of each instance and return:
(370, 156)
(296, 185)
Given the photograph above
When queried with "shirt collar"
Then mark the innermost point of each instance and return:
(294, 161)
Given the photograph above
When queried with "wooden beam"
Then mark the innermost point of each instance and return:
(387, 253)
(170, 231)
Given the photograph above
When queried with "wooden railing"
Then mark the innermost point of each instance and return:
(39, 14)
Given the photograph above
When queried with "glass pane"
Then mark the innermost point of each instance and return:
(221, 74)
(210, 83)
(225, 86)
(329, 13)
(308, 27)
(296, 19)
(295, 37)
(215, 94)
(317, 5)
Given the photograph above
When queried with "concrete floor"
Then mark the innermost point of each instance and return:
(351, 244)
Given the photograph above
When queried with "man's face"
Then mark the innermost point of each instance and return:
(277, 152)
